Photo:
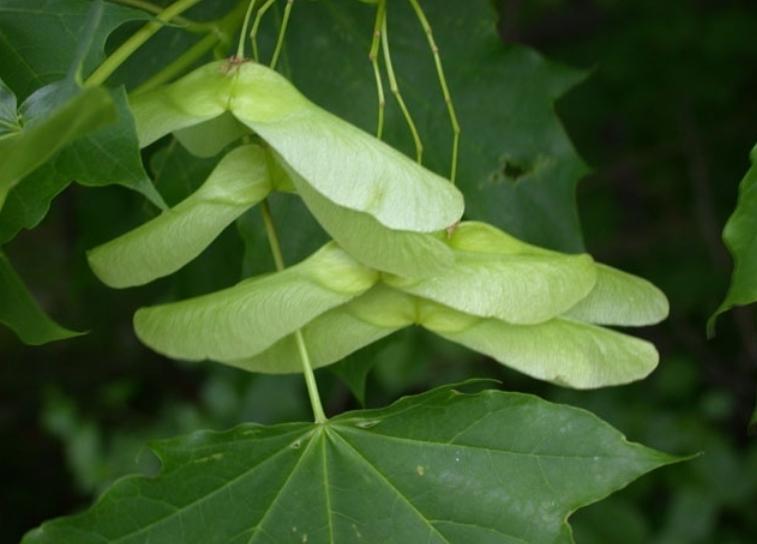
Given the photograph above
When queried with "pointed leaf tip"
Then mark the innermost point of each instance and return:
(21, 313)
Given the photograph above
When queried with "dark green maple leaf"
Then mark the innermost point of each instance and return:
(442, 467)
(21, 313)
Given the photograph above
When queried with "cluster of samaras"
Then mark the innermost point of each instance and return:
(394, 260)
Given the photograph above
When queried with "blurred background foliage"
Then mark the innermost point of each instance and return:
(665, 119)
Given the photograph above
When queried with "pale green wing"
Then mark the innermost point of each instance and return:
(197, 97)
(399, 252)
(619, 298)
(246, 319)
(329, 338)
(178, 235)
(343, 163)
(522, 289)
(339, 332)
(210, 137)
(561, 351)
(616, 297)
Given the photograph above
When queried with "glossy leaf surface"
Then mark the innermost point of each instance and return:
(377, 179)
(21, 313)
(179, 234)
(243, 320)
(441, 467)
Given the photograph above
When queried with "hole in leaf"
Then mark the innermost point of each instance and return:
(513, 170)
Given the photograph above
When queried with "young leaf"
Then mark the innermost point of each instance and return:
(20, 312)
(246, 319)
(178, 235)
(442, 467)
(619, 298)
(46, 131)
(740, 235)
(377, 179)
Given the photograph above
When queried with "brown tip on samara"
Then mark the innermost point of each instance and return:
(452, 228)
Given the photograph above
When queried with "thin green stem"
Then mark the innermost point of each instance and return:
(443, 82)
(187, 24)
(128, 48)
(273, 237)
(256, 25)
(282, 33)
(307, 367)
(243, 34)
(373, 56)
(221, 32)
(396, 91)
